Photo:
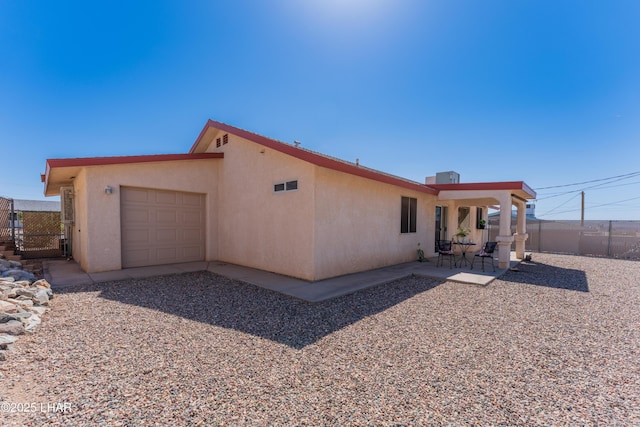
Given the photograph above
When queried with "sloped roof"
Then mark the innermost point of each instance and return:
(60, 172)
(206, 138)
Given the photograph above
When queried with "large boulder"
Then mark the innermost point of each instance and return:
(19, 275)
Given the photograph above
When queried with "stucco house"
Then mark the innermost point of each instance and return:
(246, 199)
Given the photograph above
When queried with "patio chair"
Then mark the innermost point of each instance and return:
(445, 250)
(487, 252)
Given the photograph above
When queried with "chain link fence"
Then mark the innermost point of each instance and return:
(6, 217)
(615, 239)
(41, 235)
(33, 233)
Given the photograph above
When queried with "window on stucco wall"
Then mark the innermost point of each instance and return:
(285, 186)
(408, 215)
(464, 219)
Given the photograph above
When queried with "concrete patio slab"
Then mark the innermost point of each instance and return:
(62, 273)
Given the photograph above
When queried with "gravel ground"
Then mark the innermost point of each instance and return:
(557, 343)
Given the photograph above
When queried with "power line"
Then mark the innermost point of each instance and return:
(627, 175)
(561, 205)
(593, 187)
(616, 203)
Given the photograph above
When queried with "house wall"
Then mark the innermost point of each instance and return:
(97, 243)
(257, 227)
(357, 224)
(81, 216)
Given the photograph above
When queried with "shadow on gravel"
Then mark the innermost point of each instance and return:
(209, 298)
(540, 274)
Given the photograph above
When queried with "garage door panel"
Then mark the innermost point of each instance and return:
(167, 197)
(167, 216)
(137, 237)
(192, 217)
(192, 236)
(137, 195)
(139, 256)
(192, 200)
(159, 228)
(194, 251)
(163, 236)
(136, 215)
(167, 254)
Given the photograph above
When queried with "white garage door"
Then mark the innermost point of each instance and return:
(161, 227)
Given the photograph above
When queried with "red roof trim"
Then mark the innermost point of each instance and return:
(117, 160)
(314, 158)
(508, 185)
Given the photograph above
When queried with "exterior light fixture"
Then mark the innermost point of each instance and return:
(108, 190)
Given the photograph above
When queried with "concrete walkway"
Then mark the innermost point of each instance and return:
(61, 273)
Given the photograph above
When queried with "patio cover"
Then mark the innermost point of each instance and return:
(505, 194)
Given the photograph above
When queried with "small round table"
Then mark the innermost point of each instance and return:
(464, 246)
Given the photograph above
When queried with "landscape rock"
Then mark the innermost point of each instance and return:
(41, 297)
(4, 317)
(23, 314)
(20, 302)
(19, 275)
(8, 307)
(37, 309)
(42, 283)
(22, 292)
(6, 339)
(31, 322)
(23, 300)
(12, 327)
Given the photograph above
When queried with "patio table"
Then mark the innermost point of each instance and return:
(464, 246)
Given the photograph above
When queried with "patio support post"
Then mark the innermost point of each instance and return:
(504, 238)
(452, 220)
(521, 228)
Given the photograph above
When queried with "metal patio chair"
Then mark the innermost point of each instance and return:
(445, 250)
(487, 252)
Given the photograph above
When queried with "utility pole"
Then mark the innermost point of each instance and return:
(582, 212)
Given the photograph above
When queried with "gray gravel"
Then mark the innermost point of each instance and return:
(557, 343)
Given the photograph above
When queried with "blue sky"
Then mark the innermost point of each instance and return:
(547, 92)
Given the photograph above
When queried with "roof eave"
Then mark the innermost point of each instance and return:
(310, 157)
(76, 163)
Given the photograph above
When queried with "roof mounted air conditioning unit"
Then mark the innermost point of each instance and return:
(449, 177)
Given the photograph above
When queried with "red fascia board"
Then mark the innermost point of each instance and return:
(313, 158)
(118, 160)
(509, 185)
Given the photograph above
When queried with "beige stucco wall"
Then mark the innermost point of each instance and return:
(97, 243)
(358, 224)
(78, 238)
(257, 227)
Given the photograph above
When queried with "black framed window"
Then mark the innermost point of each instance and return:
(285, 186)
(408, 215)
